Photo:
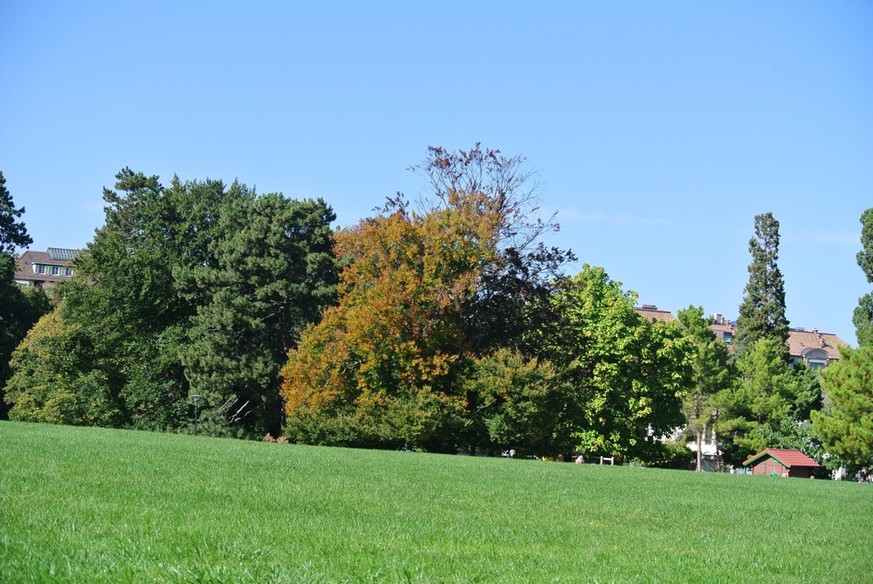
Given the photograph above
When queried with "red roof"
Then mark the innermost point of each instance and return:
(784, 456)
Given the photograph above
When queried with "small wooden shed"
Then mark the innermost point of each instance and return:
(781, 462)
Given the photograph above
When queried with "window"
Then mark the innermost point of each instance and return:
(728, 338)
(817, 359)
(56, 270)
(39, 268)
(69, 271)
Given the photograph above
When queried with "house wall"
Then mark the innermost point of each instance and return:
(800, 472)
(768, 466)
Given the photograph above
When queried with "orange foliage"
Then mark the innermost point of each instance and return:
(398, 325)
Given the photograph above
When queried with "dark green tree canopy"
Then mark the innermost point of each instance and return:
(191, 266)
(13, 233)
(19, 309)
(273, 274)
(125, 300)
(762, 312)
(862, 318)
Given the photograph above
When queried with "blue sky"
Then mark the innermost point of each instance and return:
(658, 130)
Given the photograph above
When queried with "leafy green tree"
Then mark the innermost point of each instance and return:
(521, 404)
(629, 374)
(769, 406)
(762, 312)
(863, 316)
(846, 425)
(54, 380)
(273, 274)
(711, 373)
(750, 413)
(805, 391)
(20, 309)
(150, 231)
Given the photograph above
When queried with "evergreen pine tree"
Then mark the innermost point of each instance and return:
(13, 233)
(762, 312)
(863, 316)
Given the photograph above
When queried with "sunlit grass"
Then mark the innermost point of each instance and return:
(86, 505)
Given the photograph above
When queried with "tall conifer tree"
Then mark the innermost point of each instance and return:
(19, 310)
(762, 312)
(863, 317)
(13, 233)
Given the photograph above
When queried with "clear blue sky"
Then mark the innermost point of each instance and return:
(658, 129)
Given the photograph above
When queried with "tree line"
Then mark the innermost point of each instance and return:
(443, 324)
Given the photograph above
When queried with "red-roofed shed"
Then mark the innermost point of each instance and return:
(781, 462)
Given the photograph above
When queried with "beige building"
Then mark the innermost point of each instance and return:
(815, 348)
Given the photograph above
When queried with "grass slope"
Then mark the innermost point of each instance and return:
(92, 505)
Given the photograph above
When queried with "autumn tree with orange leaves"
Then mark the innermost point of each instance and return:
(423, 291)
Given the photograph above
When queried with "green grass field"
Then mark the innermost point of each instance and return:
(95, 505)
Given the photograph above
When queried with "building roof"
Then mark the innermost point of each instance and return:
(783, 456)
(651, 313)
(802, 344)
(62, 254)
(801, 341)
(55, 256)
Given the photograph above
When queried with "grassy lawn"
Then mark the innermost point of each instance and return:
(92, 505)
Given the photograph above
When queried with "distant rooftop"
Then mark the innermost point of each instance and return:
(651, 313)
(62, 254)
(785, 456)
(801, 341)
(35, 268)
